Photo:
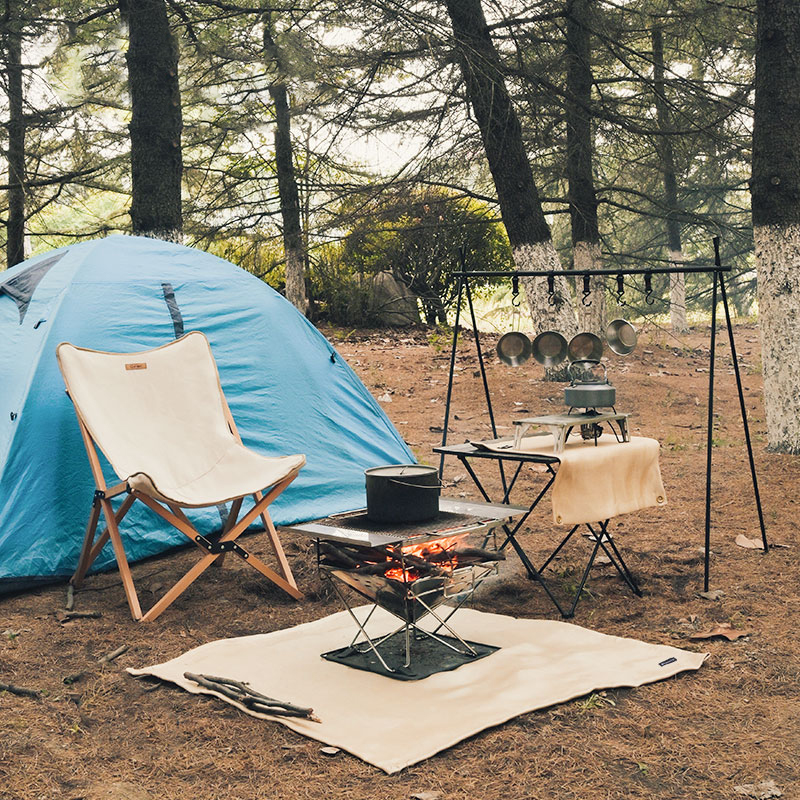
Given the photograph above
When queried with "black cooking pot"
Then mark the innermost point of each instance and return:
(402, 493)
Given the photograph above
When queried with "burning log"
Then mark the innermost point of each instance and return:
(466, 555)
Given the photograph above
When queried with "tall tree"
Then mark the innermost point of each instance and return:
(580, 179)
(775, 188)
(517, 193)
(294, 252)
(677, 282)
(12, 47)
(156, 121)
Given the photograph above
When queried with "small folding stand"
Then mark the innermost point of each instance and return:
(161, 420)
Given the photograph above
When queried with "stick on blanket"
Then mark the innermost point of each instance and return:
(242, 693)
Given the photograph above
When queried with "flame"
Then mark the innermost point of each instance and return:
(437, 552)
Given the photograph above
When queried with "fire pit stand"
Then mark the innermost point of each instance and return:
(415, 571)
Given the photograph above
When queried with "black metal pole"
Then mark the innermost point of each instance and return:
(744, 414)
(485, 379)
(451, 375)
(709, 433)
(546, 273)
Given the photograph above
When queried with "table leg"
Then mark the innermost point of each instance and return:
(511, 534)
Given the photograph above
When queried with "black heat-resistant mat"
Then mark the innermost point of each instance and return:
(427, 657)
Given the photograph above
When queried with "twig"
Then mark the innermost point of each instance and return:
(19, 690)
(250, 698)
(112, 655)
(66, 616)
(70, 604)
(74, 678)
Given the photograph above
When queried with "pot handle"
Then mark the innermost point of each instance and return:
(437, 485)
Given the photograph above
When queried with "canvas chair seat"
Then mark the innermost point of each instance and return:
(239, 472)
(161, 420)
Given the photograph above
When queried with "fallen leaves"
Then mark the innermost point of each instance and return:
(723, 629)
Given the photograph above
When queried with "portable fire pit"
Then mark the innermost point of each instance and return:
(414, 571)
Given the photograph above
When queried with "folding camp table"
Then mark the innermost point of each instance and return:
(600, 537)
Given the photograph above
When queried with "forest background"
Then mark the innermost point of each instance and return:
(317, 144)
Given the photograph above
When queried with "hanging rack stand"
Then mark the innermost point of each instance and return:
(717, 271)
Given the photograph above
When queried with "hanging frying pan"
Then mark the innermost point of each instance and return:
(585, 347)
(621, 336)
(549, 348)
(514, 348)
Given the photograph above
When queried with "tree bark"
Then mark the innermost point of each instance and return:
(12, 44)
(775, 189)
(517, 194)
(677, 281)
(294, 253)
(156, 121)
(581, 192)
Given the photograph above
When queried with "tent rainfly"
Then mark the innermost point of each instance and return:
(288, 389)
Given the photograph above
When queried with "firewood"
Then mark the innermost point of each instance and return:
(479, 554)
(250, 698)
(338, 554)
(378, 569)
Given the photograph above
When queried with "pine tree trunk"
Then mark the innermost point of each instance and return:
(156, 121)
(287, 184)
(581, 192)
(775, 188)
(12, 44)
(677, 283)
(517, 194)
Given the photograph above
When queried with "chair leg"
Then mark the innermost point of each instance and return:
(122, 559)
(85, 561)
(179, 588)
(277, 547)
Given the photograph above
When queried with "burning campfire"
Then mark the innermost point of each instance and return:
(409, 562)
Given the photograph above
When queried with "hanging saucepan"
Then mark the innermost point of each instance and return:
(585, 347)
(402, 493)
(514, 348)
(550, 348)
(621, 336)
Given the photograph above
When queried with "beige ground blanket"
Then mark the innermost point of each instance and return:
(378, 719)
(159, 417)
(595, 483)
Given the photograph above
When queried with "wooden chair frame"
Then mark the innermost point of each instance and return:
(213, 551)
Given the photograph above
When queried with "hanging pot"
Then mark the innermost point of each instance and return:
(549, 348)
(402, 493)
(585, 347)
(621, 336)
(514, 348)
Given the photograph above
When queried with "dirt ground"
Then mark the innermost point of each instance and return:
(733, 723)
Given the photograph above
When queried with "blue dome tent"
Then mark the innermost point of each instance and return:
(288, 389)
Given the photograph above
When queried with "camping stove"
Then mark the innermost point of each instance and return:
(421, 571)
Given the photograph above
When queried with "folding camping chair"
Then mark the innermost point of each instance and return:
(161, 420)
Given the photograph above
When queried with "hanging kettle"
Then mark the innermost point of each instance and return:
(589, 387)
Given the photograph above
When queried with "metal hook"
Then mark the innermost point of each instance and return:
(587, 290)
(551, 290)
(620, 288)
(515, 301)
(648, 288)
